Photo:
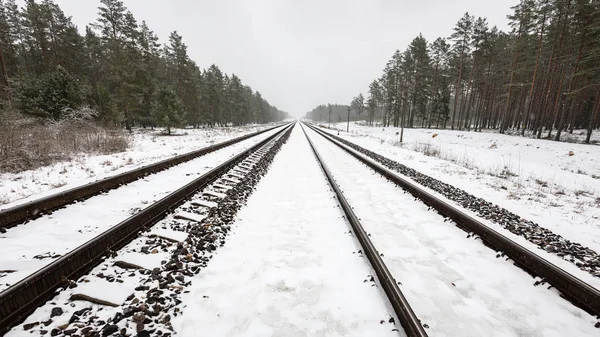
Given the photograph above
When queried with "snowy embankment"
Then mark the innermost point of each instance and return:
(290, 266)
(26, 248)
(136, 290)
(455, 284)
(555, 184)
(147, 146)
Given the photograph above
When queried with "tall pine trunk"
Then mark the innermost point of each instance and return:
(593, 118)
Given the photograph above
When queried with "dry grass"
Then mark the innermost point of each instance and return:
(435, 151)
(427, 149)
(27, 143)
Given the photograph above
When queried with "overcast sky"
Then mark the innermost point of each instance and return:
(299, 53)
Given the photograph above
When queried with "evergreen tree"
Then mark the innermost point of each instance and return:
(462, 45)
(168, 111)
(540, 77)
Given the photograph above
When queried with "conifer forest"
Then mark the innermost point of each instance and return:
(115, 70)
(540, 78)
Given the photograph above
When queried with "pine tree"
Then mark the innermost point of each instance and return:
(116, 67)
(421, 69)
(440, 106)
(462, 38)
(168, 111)
(147, 76)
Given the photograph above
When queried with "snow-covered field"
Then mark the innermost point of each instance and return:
(147, 146)
(556, 184)
(455, 284)
(289, 267)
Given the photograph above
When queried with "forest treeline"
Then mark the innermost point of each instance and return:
(541, 78)
(117, 68)
(339, 113)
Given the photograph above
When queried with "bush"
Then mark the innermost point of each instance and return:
(28, 143)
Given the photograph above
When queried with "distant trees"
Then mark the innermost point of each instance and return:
(358, 105)
(339, 113)
(118, 68)
(540, 78)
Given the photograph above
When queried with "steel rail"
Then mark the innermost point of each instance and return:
(18, 214)
(22, 298)
(411, 324)
(572, 288)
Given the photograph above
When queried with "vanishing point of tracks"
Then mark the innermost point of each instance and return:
(25, 296)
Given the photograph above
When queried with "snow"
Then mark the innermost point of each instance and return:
(289, 267)
(82, 221)
(168, 233)
(562, 263)
(147, 146)
(208, 204)
(99, 288)
(113, 292)
(189, 216)
(114, 282)
(455, 284)
(534, 178)
(146, 261)
(215, 194)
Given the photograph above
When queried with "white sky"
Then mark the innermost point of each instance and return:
(300, 53)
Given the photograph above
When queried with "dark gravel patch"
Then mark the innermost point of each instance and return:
(583, 257)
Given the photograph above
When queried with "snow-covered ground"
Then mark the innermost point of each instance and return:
(289, 267)
(144, 280)
(555, 184)
(147, 146)
(28, 247)
(455, 284)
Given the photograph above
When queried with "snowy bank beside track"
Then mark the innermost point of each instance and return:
(577, 225)
(147, 146)
(455, 284)
(572, 212)
(28, 247)
(157, 264)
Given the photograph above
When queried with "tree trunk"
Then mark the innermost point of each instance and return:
(537, 61)
(561, 121)
(593, 118)
(457, 90)
(435, 79)
(505, 121)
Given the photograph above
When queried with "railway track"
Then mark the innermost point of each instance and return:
(31, 246)
(456, 285)
(572, 288)
(569, 255)
(28, 211)
(289, 270)
(411, 324)
(203, 210)
(22, 298)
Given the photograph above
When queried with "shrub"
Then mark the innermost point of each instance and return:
(28, 143)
